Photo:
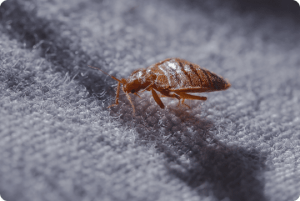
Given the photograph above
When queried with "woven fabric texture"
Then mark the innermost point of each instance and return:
(58, 140)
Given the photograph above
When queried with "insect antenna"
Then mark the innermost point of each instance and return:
(106, 73)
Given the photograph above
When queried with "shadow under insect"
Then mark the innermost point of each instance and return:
(222, 171)
(212, 167)
(193, 153)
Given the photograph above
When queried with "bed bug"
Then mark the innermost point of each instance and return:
(173, 77)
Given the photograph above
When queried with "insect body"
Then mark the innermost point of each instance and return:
(174, 78)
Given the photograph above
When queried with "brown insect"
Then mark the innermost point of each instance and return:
(173, 78)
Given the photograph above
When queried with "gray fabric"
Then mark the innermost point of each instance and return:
(60, 142)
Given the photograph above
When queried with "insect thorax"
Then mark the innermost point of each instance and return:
(137, 81)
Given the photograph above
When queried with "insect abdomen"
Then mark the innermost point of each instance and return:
(178, 73)
(211, 80)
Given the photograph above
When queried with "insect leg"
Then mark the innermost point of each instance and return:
(161, 96)
(167, 94)
(147, 88)
(184, 95)
(191, 90)
(128, 97)
(133, 108)
(157, 99)
(182, 102)
(117, 96)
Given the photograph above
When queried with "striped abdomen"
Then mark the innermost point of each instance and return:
(178, 73)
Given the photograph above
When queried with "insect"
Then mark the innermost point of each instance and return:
(173, 77)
